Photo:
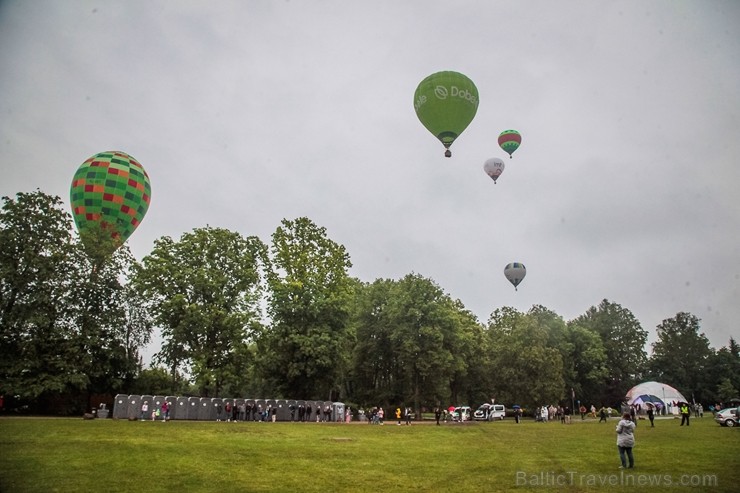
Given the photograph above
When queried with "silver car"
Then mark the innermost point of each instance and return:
(727, 417)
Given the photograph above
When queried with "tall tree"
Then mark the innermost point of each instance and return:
(37, 254)
(586, 366)
(109, 327)
(61, 313)
(681, 356)
(527, 371)
(416, 346)
(624, 341)
(723, 364)
(374, 361)
(204, 292)
(472, 366)
(303, 352)
(425, 340)
(582, 352)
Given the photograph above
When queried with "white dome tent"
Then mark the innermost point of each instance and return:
(661, 395)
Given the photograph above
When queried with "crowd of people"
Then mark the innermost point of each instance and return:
(246, 411)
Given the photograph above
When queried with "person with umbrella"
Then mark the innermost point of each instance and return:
(651, 413)
(517, 412)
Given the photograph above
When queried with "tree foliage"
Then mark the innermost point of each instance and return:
(415, 345)
(624, 342)
(62, 314)
(302, 351)
(37, 255)
(204, 293)
(681, 355)
(240, 318)
(527, 370)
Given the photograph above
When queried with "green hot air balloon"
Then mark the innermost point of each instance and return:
(110, 193)
(446, 103)
(509, 141)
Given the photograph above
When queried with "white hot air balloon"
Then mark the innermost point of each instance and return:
(493, 168)
(515, 273)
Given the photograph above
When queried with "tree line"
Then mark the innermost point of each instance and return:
(242, 317)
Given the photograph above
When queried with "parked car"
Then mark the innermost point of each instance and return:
(489, 412)
(462, 413)
(727, 417)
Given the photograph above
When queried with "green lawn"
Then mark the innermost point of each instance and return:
(74, 455)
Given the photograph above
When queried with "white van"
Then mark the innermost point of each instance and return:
(461, 413)
(489, 412)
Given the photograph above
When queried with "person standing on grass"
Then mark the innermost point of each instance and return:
(582, 410)
(626, 440)
(651, 416)
(144, 410)
(408, 416)
(437, 414)
(398, 415)
(685, 413)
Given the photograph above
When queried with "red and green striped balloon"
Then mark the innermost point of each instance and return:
(110, 190)
(509, 141)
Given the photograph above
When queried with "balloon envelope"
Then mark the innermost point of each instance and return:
(494, 167)
(515, 273)
(110, 190)
(509, 141)
(446, 103)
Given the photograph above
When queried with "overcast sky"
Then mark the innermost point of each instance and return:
(248, 112)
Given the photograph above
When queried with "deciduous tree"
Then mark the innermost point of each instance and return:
(204, 292)
(303, 350)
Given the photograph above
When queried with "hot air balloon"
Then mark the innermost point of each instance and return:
(493, 168)
(446, 103)
(509, 141)
(110, 192)
(515, 273)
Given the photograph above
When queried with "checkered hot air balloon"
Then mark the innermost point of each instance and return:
(509, 141)
(110, 191)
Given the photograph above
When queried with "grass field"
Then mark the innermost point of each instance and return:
(74, 455)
